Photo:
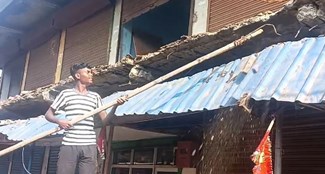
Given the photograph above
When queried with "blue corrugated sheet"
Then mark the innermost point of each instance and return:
(25, 129)
(291, 71)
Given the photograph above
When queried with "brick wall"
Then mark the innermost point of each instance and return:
(229, 139)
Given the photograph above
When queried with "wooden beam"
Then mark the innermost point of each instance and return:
(114, 42)
(23, 83)
(46, 160)
(60, 57)
(108, 150)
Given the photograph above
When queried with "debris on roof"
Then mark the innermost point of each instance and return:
(112, 78)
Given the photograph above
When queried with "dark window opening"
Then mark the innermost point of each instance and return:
(158, 27)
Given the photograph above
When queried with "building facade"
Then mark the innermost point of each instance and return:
(103, 33)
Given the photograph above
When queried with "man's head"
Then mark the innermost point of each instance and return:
(82, 72)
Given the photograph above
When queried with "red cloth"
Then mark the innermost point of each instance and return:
(262, 157)
(101, 142)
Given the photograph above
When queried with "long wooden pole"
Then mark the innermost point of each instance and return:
(138, 90)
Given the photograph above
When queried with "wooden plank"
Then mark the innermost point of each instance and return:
(45, 160)
(25, 71)
(114, 43)
(60, 57)
(108, 150)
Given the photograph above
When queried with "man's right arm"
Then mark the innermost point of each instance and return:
(49, 116)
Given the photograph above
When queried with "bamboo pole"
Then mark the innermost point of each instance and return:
(139, 90)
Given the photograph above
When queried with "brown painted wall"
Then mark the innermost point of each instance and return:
(228, 141)
(222, 13)
(42, 64)
(88, 41)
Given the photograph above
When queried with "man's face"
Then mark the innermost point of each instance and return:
(85, 76)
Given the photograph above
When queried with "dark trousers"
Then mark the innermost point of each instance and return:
(83, 156)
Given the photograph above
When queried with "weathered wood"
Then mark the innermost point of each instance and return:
(108, 150)
(25, 71)
(114, 42)
(45, 160)
(60, 57)
(139, 90)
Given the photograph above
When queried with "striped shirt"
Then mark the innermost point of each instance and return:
(74, 104)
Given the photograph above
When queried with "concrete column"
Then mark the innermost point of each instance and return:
(200, 16)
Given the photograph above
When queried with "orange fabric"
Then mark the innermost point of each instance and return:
(262, 157)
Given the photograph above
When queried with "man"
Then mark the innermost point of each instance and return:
(79, 141)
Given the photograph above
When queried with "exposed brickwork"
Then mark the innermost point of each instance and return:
(229, 139)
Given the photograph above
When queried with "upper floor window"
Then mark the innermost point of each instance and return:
(149, 31)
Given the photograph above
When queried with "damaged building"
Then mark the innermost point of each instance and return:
(208, 119)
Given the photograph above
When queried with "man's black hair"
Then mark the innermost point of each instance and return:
(74, 68)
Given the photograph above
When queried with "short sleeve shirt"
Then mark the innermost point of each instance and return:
(74, 104)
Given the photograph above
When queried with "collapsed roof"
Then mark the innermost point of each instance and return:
(134, 72)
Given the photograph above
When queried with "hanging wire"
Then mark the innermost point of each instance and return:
(272, 25)
(23, 161)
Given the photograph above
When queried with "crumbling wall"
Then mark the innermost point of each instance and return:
(229, 138)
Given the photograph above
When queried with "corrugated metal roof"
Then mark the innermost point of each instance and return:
(25, 129)
(290, 71)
